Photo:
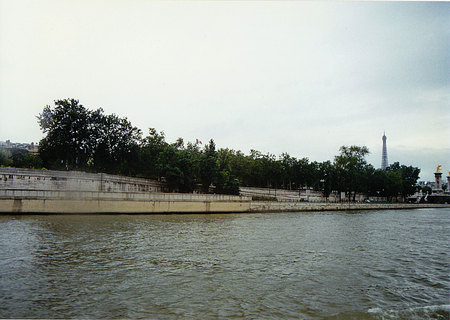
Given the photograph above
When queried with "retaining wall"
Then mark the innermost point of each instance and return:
(38, 191)
(303, 195)
(16, 206)
(29, 179)
(38, 201)
(210, 204)
(273, 206)
(282, 194)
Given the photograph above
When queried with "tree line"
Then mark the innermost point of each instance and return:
(78, 138)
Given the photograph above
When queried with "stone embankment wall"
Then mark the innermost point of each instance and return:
(102, 202)
(283, 195)
(301, 195)
(36, 191)
(45, 180)
(274, 206)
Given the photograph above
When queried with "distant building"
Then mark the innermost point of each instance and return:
(384, 157)
(31, 147)
(429, 184)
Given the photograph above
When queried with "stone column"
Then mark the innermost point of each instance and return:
(448, 182)
(438, 182)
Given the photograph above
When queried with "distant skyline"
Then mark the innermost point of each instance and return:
(296, 76)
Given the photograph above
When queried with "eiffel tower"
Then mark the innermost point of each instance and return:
(384, 158)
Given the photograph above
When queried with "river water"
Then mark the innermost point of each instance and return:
(391, 264)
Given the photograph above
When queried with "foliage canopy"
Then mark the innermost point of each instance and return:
(79, 138)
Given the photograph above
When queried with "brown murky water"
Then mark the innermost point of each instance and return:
(368, 265)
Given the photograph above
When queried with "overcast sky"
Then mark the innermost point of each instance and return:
(298, 77)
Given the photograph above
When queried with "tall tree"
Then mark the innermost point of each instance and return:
(117, 142)
(350, 166)
(327, 177)
(69, 140)
(208, 166)
(226, 182)
(5, 158)
(408, 176)
(151, 146)
(77, 137)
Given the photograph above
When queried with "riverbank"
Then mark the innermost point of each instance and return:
(24, 191)
(257, 206)
(33, 201)
(63, 202)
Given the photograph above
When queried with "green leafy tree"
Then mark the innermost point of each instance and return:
(426, 190)
(169, 166)
(77, 137)
(116, 144)
(226, 182)
(150, 148)
(241, 167)
(376, 182)
(274, 170)
(28, 160)
(393, 185)
(69, 140)
(407, 176)
(5, 158)
(327, 177)
(350, 166)
(287, 170)
(301, 172)
(208, 166)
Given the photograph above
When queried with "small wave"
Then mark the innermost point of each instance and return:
(375, 310)
(427, 312)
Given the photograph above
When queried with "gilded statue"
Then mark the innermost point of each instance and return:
(438, 169)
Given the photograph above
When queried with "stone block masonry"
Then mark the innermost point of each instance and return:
(55, 192)
(273, 206)
(85, 206)
(39, 191)
(45, 180)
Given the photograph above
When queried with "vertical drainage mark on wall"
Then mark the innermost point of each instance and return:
(17, 205)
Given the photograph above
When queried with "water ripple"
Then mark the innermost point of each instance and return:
(372, 265)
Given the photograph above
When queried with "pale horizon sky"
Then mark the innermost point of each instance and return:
(292, 76)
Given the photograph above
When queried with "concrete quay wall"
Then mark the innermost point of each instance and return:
(283, 195)
(58, 202)
(30, 179)
(273, 206)
(38, 191)
(42, 191)
(117, 196)
(40, 201)
(301, 195)
(64, 206)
